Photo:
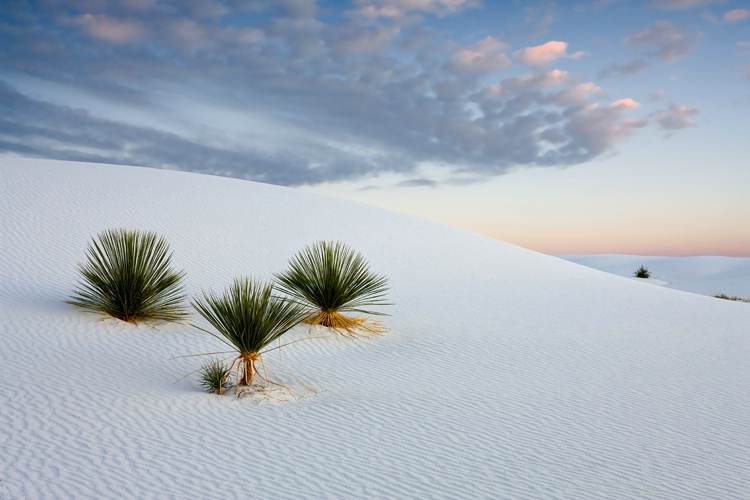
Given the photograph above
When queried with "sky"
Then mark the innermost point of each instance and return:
(581, 127)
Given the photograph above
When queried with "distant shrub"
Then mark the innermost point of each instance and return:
(248, 318)
(128, 275)
(728, 297)
(330, 279)
(642, 272)
(216, 377)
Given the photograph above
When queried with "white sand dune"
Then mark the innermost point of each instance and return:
(506, 373)
(707, 275)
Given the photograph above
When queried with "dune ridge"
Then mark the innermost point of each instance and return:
(506, 373)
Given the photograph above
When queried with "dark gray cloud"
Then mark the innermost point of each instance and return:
(366, 91)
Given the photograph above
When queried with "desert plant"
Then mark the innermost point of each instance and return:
(729, 297)
(248, 318)
(642, 272)
(216, 377)
(128, 275)
(330, 279)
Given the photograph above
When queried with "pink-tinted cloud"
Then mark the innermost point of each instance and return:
(577, 94)
(370, 11)
(543, 55)
(675, 117)
(111, 29)
(736, 15)
(667, 40)
(598, 128)
(626, 103)
(551, 79)
(485, 55)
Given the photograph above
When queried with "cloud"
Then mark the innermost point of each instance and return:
(668, 42)
(530, 81)
(596, 129)
(681, 4)
(313, 97)
(626, 103)
(485, 55)
(365, 39)
(655, 95)
(111, 29)
(620, 70)
(37, 128)
(401, 8)
(736, 15)
(417, 183)
(545, 54)
(577, 94)
(675, 117)
(539, 19)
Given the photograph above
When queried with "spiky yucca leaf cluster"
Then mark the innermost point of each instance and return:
(128, 275)
(331, 278)
(642, 272)
(216, 377)
(248, 318)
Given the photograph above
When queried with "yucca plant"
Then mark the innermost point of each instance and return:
(128, 275)
(642, 272)
(330, 279)
(248, 317)
(216, 377)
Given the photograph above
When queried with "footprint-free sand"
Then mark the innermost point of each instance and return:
(505, 374)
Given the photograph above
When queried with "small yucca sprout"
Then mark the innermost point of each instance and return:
(330, 279)
(642, 272)
(248, 318)
(128, 275)
(216, 377)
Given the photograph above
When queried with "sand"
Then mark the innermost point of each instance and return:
(505, 374)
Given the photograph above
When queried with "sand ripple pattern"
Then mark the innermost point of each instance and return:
(506, 373)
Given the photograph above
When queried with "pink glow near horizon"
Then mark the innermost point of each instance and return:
(589, 246)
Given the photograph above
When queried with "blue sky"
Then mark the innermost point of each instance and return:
(567, 127)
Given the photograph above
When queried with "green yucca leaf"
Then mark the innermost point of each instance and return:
(216, 377)
(247, 316)
(128, 275)
(330, 276)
